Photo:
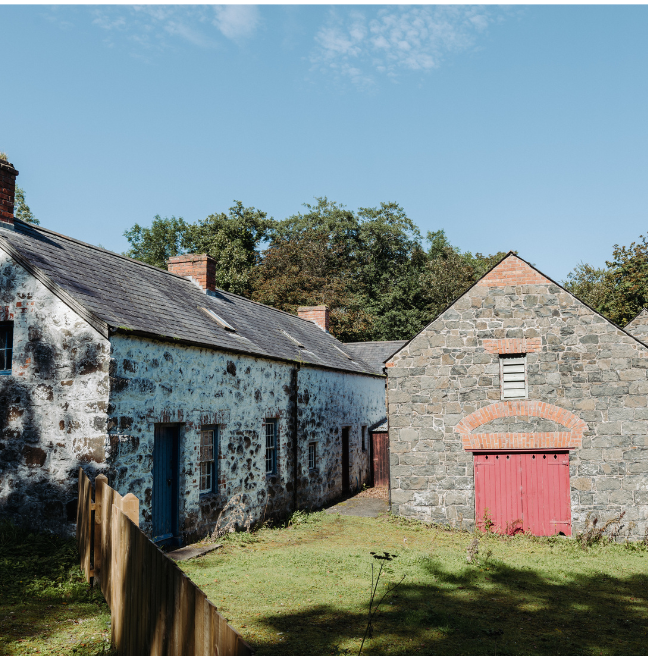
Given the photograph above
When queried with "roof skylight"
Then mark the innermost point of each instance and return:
(219, 320)
(292, 339)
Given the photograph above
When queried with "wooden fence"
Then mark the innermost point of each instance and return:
(155, 608)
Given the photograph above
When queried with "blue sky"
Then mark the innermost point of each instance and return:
(511, 128)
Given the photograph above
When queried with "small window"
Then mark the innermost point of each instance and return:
(6, 348)
(271, 446)
(364, 438)
(208, 453)
(513, 377)
(312, 455)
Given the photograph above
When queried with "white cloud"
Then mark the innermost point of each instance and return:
(152, 27)
(236, 21)
(390, 41)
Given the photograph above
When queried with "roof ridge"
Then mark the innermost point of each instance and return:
(512, 253)
(98, 248)
(155, 268)
(380, 341)
(38, 228)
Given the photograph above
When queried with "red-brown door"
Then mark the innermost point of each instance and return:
(523, 492)
(380, 459)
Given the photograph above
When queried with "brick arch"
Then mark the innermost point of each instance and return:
(568, 439)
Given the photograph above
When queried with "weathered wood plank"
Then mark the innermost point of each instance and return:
(156, 609)
(130, 508)
(100, 484)
(199, 622)
(84, 527)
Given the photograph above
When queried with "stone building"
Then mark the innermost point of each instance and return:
(196, 400)
(522, 406)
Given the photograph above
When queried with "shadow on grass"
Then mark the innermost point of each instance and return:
(502, 610)
(41, 589)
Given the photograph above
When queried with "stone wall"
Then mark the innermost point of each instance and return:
(53, 407)
(638, 327)
(583, 364)
(156, 382)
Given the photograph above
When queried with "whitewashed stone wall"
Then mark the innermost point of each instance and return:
(157, 382)
(329, 401)
(584, 365)
(53, 408)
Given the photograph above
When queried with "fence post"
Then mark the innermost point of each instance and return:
(130, 508)
(100, 482)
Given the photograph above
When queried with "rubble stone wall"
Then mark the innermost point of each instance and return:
(156, 382)
(585, 365)
(53, 406)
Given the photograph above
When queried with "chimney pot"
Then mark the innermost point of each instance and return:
(318, 314)
(199, 268)
(7, 193)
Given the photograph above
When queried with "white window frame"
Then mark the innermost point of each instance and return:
(7, 347)
(271, 450)
(312, 456)
(512, 391)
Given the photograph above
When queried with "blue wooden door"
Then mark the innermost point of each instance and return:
(165, 483)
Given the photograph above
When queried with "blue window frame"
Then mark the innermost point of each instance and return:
(208, 459)
(6, 348)
(271, 446)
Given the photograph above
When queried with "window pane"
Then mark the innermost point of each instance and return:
(206, 469)
(271, 451)
(206, 458)
(6, 344)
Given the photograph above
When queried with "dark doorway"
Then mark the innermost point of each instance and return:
(380, 459)
(345, 459)
(165, 485)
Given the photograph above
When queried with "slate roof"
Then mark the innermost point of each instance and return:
(115, 293)
(375, 353)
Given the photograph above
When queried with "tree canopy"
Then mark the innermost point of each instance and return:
(232, 239)
(619, 291)
(21, 209)
(380, 278)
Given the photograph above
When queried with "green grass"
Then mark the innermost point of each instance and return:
(45, 605)
(304, 590)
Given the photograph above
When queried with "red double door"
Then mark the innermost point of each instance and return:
(527, 492)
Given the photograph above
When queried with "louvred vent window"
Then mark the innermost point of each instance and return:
(513, 376)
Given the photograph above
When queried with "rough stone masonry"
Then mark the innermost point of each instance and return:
(587, 382)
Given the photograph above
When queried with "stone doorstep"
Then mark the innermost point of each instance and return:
(192, 551)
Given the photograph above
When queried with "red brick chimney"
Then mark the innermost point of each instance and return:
(318, 314)
(7, 192)
(200, 268)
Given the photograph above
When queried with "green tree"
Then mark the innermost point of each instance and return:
(305, 270)
(155, 245)
(21, 209)
(231, 239)
(449, 273)
(627, 281)
(378, 255)
(620, 290)
(590, 284)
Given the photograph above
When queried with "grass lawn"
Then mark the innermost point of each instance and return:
(304, 590)
(45, 605)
